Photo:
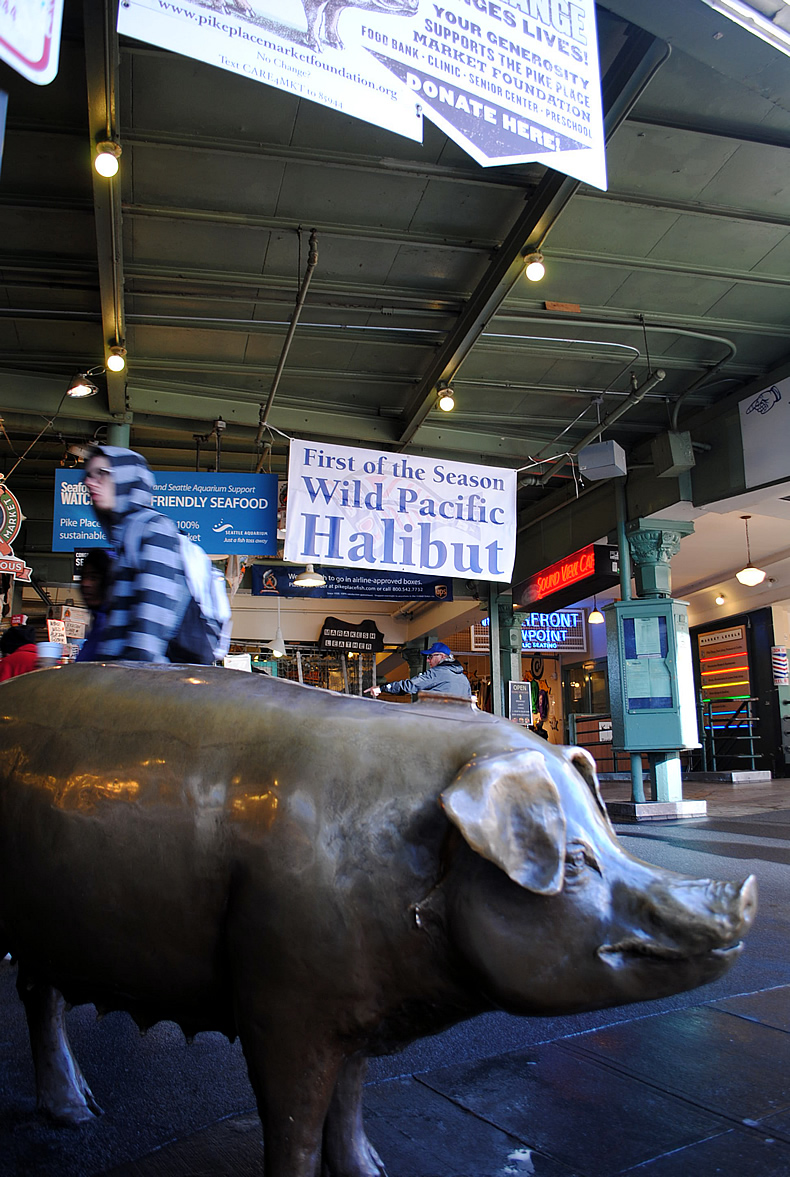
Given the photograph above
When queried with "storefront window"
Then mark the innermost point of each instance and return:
(586, 688)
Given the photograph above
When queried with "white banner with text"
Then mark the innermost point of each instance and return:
(515, 81)
(367, 509)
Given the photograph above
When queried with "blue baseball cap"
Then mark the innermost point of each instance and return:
(437, 648)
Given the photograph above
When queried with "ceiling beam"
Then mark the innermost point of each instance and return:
(738, 134)
(101, 65)
(635, 64)
(390, 236)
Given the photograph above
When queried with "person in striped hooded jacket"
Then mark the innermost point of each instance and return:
(147, 591)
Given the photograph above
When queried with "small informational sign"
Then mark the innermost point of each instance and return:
(56, 631)
(10, 523)
(362, 584)
(520, 702)
(360, 508)
(364, 638)
(30, 37)
(224, 513)
(509, 83)
(604, 731)
(779, 666)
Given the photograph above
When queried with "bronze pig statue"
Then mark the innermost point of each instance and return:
(327, 876)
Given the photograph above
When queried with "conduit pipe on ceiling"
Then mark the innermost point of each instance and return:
(312, 262)
(634, 399)
(700, 380)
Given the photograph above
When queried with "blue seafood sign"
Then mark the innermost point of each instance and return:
(224, 513)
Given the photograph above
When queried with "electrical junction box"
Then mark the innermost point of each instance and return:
(651, 679)
(604, 459)
(673, 454)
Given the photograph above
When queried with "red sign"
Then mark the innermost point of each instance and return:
(573, 568)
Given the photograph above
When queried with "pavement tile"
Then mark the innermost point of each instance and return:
(419, 1133)
(733, 1153)
(733, 1067)
(231, 1148)
(587, 1116)
(771, 1007)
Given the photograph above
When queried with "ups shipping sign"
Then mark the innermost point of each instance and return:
(367, 509)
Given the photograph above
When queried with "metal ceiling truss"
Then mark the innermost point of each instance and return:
(632, 69)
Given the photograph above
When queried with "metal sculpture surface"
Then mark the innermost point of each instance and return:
(328, 877)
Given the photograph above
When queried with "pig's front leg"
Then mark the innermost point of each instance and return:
(293, 1070)
(61, 1089)
(347, 1150)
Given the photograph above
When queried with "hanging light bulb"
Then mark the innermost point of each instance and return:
(277, 647)
(720, 599)
(535, 268)
(446, 400)
(309, 578)
(107, 155)
(596, 617)
(116, 360)
(750, 576)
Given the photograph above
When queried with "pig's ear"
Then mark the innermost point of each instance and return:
(584, 763)
(508, 810)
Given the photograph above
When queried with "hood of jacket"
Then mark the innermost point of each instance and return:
(134, 482)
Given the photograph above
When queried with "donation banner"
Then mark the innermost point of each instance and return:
(363, 508)
(30, 38)
(515, 81)
(224, 513)
(352, 582)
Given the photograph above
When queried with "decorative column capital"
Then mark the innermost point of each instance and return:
(653, 543)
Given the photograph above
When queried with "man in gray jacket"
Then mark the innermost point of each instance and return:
(444, 675)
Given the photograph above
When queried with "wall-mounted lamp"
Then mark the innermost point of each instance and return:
(277, 647)
(720, 598)
(596, 617)
(535, 268)
(750, 576)
(82, 385)
(116, 358)
(108, 154)
(445, 399)
(309, 578)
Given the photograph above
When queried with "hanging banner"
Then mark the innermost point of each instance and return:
(364, 508)
(30, 37)
(765, 430)
(3, 113)
(224, 513)
(510, 83)
(361, 584)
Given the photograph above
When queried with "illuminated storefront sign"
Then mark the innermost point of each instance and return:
(564, 631)
(590, 570)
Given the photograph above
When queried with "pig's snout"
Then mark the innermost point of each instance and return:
(690, 919)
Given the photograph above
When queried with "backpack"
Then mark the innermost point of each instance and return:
(203, 634)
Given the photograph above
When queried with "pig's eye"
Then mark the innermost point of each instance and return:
(579, 858)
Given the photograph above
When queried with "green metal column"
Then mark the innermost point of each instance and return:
(119, 434)
(495, 652)
(637, 775)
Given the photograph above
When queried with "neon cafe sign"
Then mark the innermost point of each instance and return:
(558, 576)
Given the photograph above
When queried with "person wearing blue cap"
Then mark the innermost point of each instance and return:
(444, 676)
